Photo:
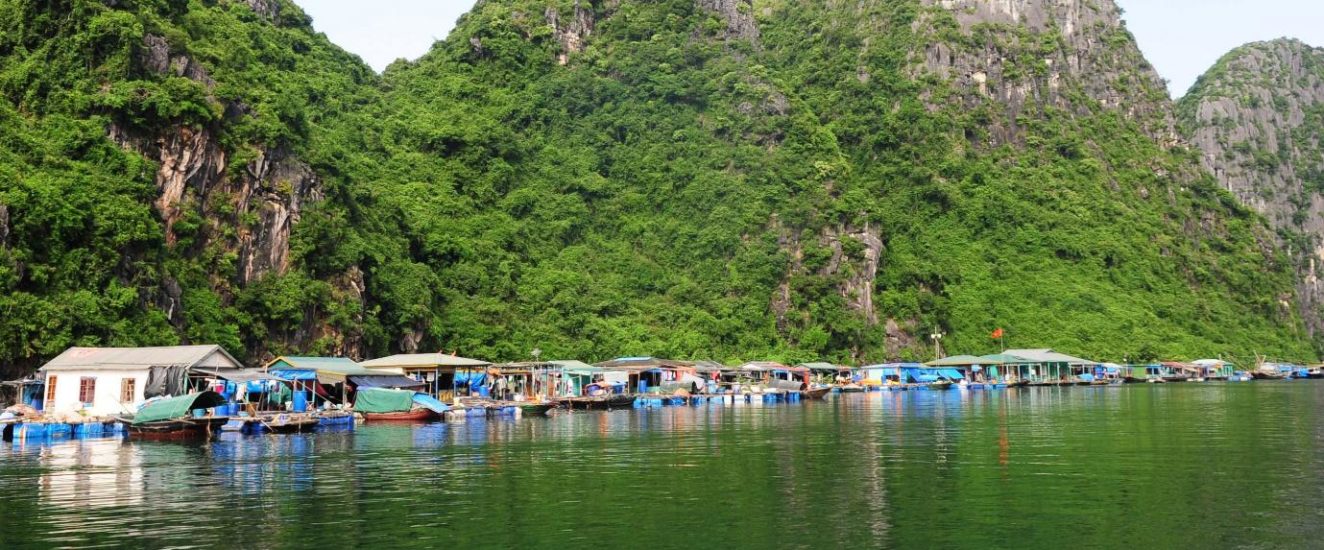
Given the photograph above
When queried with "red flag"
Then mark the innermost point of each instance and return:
(997, 334)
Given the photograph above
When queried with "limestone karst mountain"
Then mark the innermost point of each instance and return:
(688, 178)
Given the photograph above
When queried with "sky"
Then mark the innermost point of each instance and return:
(1182, 38)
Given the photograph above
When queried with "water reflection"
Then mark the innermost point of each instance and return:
(1155, 466)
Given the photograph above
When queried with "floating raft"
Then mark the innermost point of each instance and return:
(21, 432)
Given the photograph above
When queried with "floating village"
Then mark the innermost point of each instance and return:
(185, 392)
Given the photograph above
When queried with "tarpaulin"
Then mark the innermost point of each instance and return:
(951, 374)
(165, 381)
(177, 407)
(376, 400)
(430, 403)
(295, 374)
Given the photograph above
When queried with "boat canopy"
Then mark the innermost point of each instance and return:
(378, 400)
(177, 407)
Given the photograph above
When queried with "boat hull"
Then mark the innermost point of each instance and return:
(537, 409)
(604, 403)
(179, 429)
(416, 415)
(817, 393)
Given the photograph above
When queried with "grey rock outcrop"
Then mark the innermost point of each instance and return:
(739, 17)
(1038, 53)
(1258, 118)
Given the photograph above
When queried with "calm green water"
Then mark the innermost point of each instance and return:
(1204, 466)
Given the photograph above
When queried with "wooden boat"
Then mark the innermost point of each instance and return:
(1157, 381)
(1019, 384)
(537, 409)
(1268, 375)
(853, 388)
(418, 414)
(818, 393)
(170, 430)
(597, 403)
(290, 423)
(175, 418)
(941, 385)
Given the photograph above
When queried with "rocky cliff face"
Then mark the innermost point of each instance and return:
(1073, 55)
(1258, 117)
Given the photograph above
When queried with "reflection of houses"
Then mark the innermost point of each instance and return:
(443, 374)
(92, 473)
(106, 381)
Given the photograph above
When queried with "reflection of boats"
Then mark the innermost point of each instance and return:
(177, 417)
(941, 385)
(605, 402)
(818, 393)
(537, 409)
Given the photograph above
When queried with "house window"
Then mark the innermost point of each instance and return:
(50, 391)
(128, 388)
(87, 389)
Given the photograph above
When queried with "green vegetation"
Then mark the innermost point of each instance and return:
(674, 189)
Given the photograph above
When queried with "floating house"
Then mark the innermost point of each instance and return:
(889, 373)
(444, 376)
(1214, 369)
(645, 373)
(332, 378)
(578, 378)
(826, 372)
(108, 381)
(1046, 365)
(966, 367)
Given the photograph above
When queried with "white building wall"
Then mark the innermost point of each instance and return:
(106, 400)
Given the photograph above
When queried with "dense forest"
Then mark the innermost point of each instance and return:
(718, 179)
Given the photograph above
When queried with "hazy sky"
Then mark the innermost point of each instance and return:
(1182, 38)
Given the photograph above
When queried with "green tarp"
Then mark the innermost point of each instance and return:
(376, 400)
(177, 407)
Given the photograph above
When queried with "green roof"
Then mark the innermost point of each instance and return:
(177, 407)
(1005, 359)
(576, 367)
(334, 369)
(963, 361)
(822, 366)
